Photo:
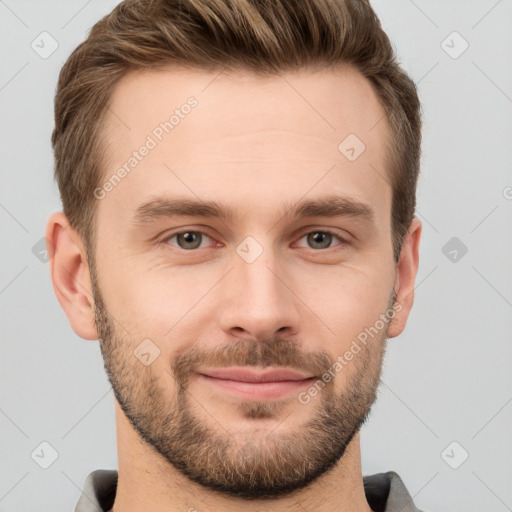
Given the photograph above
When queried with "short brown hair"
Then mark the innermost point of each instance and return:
(261, 36)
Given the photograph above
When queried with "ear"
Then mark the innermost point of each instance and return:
(407, 269)
(70, 275)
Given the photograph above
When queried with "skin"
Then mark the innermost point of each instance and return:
(257, 145)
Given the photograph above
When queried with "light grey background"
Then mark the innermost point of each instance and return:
(446, 378)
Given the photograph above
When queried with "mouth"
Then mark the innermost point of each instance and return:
(246, 383)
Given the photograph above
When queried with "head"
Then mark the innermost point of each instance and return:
(293, 125)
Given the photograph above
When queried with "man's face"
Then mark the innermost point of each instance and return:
(180, 295)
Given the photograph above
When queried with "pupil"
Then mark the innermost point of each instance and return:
(321, 238)
(190, 238)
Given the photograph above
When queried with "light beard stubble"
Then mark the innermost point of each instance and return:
(239, 466)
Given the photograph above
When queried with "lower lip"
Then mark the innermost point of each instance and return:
(257, 390)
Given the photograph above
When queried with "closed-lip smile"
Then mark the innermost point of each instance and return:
(242, 374)
(250, 384)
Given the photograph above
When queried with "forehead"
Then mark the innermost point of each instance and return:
(332, 100)
(246, 132)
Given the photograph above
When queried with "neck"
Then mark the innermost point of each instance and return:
(147, 482)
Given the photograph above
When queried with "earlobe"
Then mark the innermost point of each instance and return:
(407, 268)
(70, 275)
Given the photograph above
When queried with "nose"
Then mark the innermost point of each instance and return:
(259, 301)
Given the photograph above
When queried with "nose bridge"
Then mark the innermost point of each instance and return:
(256, 295)
(259, 281)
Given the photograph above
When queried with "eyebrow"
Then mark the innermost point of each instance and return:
(329, 206)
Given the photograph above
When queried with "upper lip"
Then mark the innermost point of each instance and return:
(246, 375)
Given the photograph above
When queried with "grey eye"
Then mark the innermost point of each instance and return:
(188, 239)
(319, 239)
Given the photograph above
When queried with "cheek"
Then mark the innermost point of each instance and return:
(152, 302)
(348, 298)
(353, 309)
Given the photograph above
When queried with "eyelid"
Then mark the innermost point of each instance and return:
(341, 239)
(167, 237)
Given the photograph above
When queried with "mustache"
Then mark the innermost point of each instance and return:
(277, 352)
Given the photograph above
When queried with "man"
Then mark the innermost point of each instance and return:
(238, 184)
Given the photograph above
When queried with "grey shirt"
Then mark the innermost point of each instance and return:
(385, 492)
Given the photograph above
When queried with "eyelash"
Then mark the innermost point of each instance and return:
(342, 241)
